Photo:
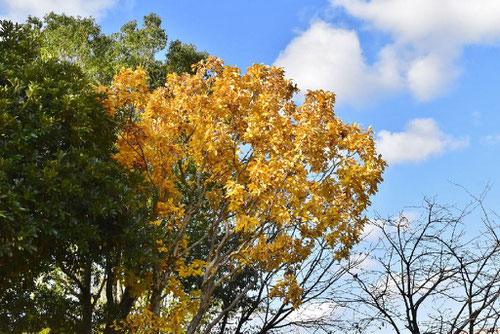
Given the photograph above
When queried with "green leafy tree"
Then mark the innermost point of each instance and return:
(180, 57)
(137, 47)
(81, 41)
(65, 206)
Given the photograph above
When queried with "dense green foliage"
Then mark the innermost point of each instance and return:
(81, 41)
(66, 205)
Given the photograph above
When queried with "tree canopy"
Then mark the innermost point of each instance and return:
(269, 178)
(65, 203)
(81, 41)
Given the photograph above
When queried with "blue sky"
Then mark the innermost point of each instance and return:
(423, 73)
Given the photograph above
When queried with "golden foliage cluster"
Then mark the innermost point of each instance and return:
(277, 177)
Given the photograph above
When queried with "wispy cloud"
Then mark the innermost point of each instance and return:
(493, 139)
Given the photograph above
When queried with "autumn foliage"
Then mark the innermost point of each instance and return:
(232, 154)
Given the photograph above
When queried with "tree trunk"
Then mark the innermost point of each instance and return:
(156, 292)
(206, 293)
(111, 313)
(86, 299)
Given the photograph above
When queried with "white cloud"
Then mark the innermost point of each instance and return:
(326, 57)
(427, 38)
(421, 140)
(313, 311)
(18, 10)
(429, 24)
(428, 76)
(329, 54)
(371, 231)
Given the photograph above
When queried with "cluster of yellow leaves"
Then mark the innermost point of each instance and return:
(130, 89)
(194, 269)
(288, 289)
(181, 307)
(278, 175)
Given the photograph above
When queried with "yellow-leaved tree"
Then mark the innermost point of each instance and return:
(242, 179)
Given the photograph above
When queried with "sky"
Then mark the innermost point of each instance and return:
(425, 74)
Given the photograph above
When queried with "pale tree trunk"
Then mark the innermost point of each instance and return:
(205, 299)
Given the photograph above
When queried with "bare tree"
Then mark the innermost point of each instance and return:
(320, 274)
(428, 275)
(478, 279)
